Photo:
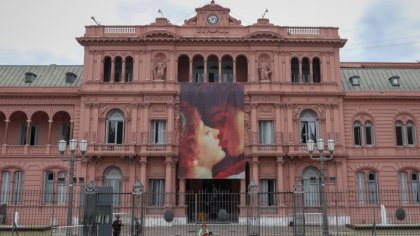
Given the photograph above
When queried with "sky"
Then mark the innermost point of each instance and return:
(42, 32)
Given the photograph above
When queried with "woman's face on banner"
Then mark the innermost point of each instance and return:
(208, 146)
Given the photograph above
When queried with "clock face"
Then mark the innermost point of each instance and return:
(212, 19)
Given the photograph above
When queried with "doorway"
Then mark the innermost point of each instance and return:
(213, 200)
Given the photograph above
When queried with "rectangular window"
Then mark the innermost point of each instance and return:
(369, 135)
(158, 131)
(5, 187)
(33, 135)
(357, 135)
(266, 132)
(48, 187)
(399, 135)
(156, 192)
(267, 194)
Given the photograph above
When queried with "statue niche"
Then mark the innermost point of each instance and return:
(264, 70)
(159, 69)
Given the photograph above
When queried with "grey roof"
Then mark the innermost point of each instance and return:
(47, 76)
(377, 79)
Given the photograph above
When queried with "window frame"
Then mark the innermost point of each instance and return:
(305, 121)
(406, 133)
(158, 131)
(364, 185)
(115, 118)
(262, 137)
(267, 197)
(156, 192)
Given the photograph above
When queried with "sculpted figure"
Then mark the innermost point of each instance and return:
(159, 70)
(265, 70)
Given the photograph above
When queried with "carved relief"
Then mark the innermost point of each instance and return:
(158, 109)
(265, 109)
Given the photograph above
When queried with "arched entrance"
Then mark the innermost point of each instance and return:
(311, 177)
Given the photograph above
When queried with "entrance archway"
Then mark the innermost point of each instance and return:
(311, 177)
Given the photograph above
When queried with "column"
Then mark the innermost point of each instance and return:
(136, 66)
(205, 77)
(220, 71)
(171, 122)
(277, 124)
(291, 174)
(145, 139)
(234, 71)
(112, 76)
(275, 76)
(123, 72)
(190, 78)
(181, 192)
(311, 76)
(49, 131)
(251, 68)
(6, 128)
(28, 131)
(71, 129)
(168, 182)
(243, 193)
(255, 174)
(300, 77)
(280, 177)
(171, 67)
(143, 169)
(254, 123)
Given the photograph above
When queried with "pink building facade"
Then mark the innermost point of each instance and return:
(125, 101)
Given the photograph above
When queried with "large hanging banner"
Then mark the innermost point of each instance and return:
(211, 131)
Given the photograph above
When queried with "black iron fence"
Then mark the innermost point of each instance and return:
(280, 213)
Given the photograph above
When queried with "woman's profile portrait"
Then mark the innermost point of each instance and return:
(200, 147)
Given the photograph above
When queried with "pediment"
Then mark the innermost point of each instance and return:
(263, 35)
(160, 34)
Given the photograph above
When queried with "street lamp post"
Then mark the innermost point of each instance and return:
(322, 159)
(62, 148)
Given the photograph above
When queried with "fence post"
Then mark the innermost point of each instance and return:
(137, 218)
(298, 210)
(253, 221)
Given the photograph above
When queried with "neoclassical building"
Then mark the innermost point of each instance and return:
(125, 101)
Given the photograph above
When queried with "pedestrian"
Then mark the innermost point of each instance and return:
(116, 226)
(204, 231)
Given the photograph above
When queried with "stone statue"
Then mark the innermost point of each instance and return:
(265, 70)
(159, 70)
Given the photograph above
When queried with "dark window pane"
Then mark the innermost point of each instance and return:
(120, 132)
(399, 135)
(357, 136)
(410, 135)
(369, 137)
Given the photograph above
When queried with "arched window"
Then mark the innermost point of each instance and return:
(113, 178)
(295, 70)
(316, 70)
(54, 184)
(9, 192)
(308, 126)
(128, 77)
(405, 134)
(115, 127)
(183, 68)
(227, 69)
(118, 69)
(107, 69)
(212, 69)
(241, 69)
(363, 134)
(198, 69)
(367, 189)
(410, 186)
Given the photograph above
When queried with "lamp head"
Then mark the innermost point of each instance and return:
(83, 146)
(72, 145)
(320, 144)
(62, 146)
(330, 144)
(310, 145)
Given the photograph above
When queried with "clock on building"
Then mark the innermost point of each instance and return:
(212, 19)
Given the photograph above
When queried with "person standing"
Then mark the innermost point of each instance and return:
(116, 226)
